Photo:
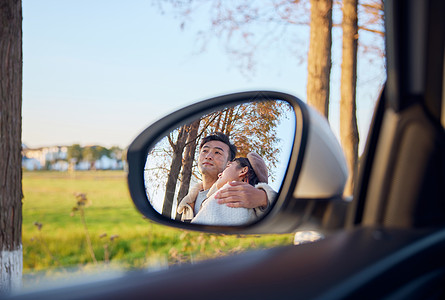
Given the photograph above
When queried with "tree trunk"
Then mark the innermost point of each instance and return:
(173, 174)
(187, 164)
(348, 120)
(319, 57)
(11, 257)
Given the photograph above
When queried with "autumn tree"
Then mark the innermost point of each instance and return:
(11, 255)
(251, 127)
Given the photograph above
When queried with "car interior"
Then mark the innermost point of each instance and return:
(388, 241)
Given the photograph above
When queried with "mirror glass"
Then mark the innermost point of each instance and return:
(187, 172)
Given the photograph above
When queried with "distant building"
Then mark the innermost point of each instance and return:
(107, 163)
(60, 165)
(82, 166)
(50, 158)
(31, 164)
(56, 158)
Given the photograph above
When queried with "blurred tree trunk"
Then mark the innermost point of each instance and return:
(11, 255)
(348, 119)
(187, 164)
(319, 56)
(175, 168)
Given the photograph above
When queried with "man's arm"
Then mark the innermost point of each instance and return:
(241, 194)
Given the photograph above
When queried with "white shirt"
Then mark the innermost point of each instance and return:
(202, 195)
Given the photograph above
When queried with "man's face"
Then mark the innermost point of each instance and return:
(213, 158)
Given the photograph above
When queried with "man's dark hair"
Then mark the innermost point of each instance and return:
(219, 136)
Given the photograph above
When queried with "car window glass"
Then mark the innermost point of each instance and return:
(95, 75)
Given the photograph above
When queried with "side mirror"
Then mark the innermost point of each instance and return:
(305, 167)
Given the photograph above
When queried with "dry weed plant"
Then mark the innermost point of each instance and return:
(43, 243)
(81, 203)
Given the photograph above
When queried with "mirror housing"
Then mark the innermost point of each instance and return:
(312, 185)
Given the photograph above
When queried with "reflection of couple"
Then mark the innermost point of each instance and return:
(241, 185)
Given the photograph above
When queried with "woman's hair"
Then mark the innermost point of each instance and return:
(251, 176)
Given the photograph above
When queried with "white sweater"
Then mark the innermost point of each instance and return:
(212, 213)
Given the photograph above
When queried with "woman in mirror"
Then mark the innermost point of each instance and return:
(251, 170)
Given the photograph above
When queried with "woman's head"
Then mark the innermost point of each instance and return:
(233, 172)
(250, 169)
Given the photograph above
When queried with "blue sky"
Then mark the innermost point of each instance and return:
(99, 72)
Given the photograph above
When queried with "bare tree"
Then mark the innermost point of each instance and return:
(248, 28)
(319, 55)
(175, 168)
(348, 119)
(11, 255)
(189, 157)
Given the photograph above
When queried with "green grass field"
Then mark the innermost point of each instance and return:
(119, 234)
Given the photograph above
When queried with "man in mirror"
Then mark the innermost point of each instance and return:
(252, 170)
(215, 152)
